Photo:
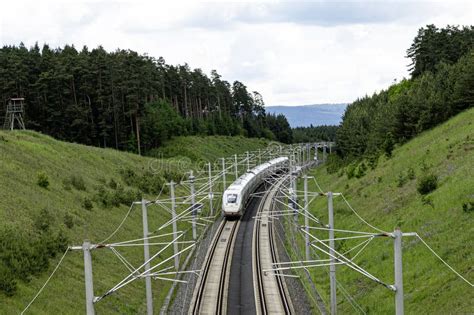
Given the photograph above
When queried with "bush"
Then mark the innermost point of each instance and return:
(68, 221)
(350, 170)
(87, 204)
(42, 180)
(427, 184)
(149, 182)
(78, 182)
(411, 173)
(7, 281)
(112, 184)
(333, 163)
(360, 170)
(427, 201)
(26, 253)
(373, 161)
(401, 180)
(44, 220)
(468, 206)
(116, 197)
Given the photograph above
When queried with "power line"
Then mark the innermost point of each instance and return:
(120, 225)
(360, 218)
(444, 262)
(47, 281)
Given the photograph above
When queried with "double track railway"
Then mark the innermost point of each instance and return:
(271, 295)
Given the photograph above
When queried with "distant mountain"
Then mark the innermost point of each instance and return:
(305, 115)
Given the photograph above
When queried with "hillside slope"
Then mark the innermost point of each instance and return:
(387, 197)
(55, 194)
(208, 148)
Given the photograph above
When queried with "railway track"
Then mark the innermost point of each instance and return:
(271, 293)
(210, 295)
(211, 292)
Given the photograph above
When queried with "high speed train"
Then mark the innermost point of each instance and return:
(236, 195)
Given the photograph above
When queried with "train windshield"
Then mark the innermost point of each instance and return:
(232, 198)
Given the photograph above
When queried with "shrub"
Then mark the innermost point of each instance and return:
(43, 220)
(128, 176)
(350, 170)
(468, 206)
(411, 173)
(427, 184)
(87, 204)
(25, 253)
(68, 221)
(42, 180)
(7, 281)
(172, 175)
(401, 179)
(360, 170)
(116, 197)
(333, 163)
(78, 182)
(427, 201)
(388, 145)
(113, 184)
(373, 161)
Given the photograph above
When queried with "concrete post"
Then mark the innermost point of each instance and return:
(211, 195)
(224, 184)
(86, 247)
(306, 219)
(324, 152)
(236, 169)
(294, 195)
(146, 255)
(303, 156)
(308, 147)
(248, 161)
(316, 152)
(193, 203)
(175, 225)
(397, 246)
(332, 266)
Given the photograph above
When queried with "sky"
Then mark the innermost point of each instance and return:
(292, 52)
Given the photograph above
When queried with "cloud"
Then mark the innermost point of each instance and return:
(319, 13)
(291, 52)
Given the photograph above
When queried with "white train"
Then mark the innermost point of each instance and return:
(236, 195)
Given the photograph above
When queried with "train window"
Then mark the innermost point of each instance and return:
(232, 198)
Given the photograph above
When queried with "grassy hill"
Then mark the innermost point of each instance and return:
(55, 194)
(387, 197)
(208, 148)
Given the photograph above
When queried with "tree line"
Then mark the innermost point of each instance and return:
(314, 133)
(128, 101)
(441, 85)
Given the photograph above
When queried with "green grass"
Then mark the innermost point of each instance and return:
(382, 199)
(76, 173)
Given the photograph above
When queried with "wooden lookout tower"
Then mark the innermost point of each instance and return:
(14, 113)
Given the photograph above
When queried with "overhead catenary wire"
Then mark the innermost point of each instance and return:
(443, 261)
(360, 218)
(120, 225)
(46, 282)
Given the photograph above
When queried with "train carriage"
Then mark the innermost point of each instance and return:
(237, 194)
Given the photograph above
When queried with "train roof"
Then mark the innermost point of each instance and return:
(245, 178)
